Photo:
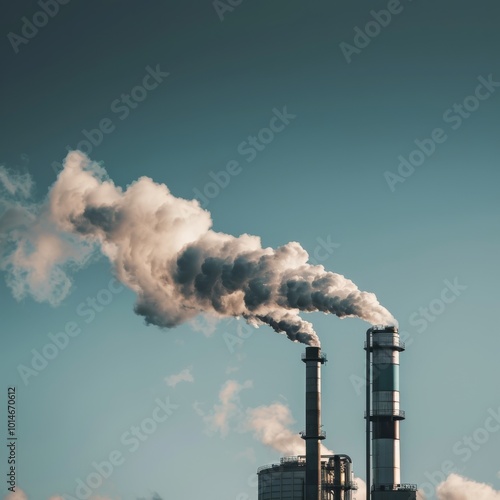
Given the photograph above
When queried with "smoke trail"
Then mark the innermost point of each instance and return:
(163, 248)
(271, 426)
(228, 408)
(33, 251)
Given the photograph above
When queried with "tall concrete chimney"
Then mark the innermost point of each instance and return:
(313, 358)
(383, 346)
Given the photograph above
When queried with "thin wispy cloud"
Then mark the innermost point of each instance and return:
(228, 407)
(205, 323)
(183, 376)
(197, 408)
(16, 183)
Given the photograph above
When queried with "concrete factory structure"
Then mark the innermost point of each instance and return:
(330, 477)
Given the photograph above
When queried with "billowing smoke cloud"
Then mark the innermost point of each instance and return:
(271, 426)
(460, 488)
(163, 248)
(33, 251)
(360, 493)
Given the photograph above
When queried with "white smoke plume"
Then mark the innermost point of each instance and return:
(460, 488)
(271, 426)
(163, 248)
(228, 408)
(33, 251)
(360, 493)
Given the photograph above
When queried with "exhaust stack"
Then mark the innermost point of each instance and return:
(313, 358)
(383, 346)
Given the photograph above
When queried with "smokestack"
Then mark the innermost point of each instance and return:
(383, 412)
(313, 358)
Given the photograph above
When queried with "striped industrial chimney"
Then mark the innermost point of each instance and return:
(313, 358)
(383, 346)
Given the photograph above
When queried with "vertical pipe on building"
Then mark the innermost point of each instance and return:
(337, 478)
(367, 416)
(312, 435)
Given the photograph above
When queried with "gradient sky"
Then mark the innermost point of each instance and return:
(322, 178)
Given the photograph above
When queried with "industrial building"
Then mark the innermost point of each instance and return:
(287, 479)
(330, 477)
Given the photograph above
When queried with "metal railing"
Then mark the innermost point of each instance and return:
(387, 413)
(350, 485)
(392, 342)
(395, 487)
(322, 357)
(303, 435)
(294, 460)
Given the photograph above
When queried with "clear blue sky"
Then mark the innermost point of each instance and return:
(322, 178)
